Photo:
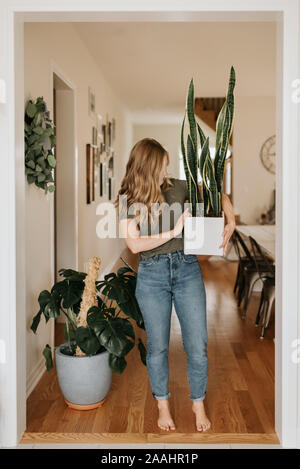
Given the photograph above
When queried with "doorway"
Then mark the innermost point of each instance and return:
(287, 239)
(65, 225)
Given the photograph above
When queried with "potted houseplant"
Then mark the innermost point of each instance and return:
(98, 338)
(203, 231)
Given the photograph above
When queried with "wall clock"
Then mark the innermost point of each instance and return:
(267, 154)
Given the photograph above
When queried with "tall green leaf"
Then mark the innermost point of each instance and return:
(143, 351)
(185, 164)
(48, 357)
(86, 339)
(224, 131)
(117, 364)
(191, 115)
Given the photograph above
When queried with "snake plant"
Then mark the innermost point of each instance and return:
(212, 171)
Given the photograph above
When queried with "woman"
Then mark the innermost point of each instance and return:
(165, 273)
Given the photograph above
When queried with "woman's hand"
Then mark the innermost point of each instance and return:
(180, 222)
(227, 233)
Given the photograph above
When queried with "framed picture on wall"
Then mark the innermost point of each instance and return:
(113, 195)
(109, 188)
(89, 173)
(107, 145)
(91, 103)
(96, 174)
(94, 135)
(104, 179)
(99, 127)
(109, 135)
(94, 155)
(106, 175)
(101, 179)
(111, 166)
(98, 156)
(113, 129)
(104, 136)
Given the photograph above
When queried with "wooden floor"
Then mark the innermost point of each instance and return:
(240, 391)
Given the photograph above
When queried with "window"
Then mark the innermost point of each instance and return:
(212, 154)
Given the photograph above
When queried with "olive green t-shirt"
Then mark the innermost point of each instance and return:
(175, 197)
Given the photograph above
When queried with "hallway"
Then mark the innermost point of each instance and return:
(240, 392)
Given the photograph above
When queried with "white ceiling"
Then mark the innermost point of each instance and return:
(150, 64)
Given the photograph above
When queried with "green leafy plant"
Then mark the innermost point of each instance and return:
(211, 171)
(106, 329)
(39, 144)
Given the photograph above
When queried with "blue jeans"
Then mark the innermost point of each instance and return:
(160, 279)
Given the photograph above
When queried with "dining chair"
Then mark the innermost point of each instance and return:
(244, 257)
(266, 270)
(247, 272)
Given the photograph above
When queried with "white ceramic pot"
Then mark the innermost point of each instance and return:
(203, 235)
(84, 380)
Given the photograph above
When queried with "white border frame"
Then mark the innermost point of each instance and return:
(13, 13)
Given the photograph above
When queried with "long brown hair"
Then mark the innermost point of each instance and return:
(141, 181)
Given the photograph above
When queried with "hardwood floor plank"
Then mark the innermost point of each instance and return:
(114, 438)
(248, 410)
(257, 391)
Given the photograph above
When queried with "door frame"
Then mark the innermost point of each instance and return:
(13, 13)
(55, 69)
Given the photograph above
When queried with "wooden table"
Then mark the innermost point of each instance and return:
(263, 234)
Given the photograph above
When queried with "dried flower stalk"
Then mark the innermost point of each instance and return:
(88, 296)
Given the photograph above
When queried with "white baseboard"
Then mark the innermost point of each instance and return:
(35, 376)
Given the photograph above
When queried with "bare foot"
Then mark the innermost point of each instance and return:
(202, 422)
(165, 421)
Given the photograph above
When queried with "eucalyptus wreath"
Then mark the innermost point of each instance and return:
(39, 145)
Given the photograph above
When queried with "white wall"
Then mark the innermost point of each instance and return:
(255, 121)
(46, 42)
(155, 73)
(166, 134)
